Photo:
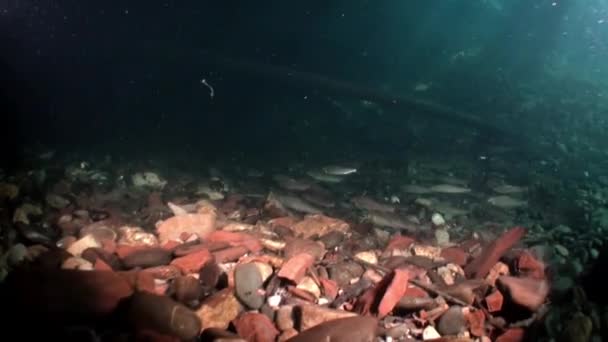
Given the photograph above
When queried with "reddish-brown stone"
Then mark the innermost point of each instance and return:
(125, 250)
(414, 291)
(230, 254)
(396, 289)
(295, 268)
(330, 288)
(192, 262)
(494, 301)
(529, 266)
(490, 255)
(455, 255)
(236, 239)
(476, 321)
(139, 280)
(101, 265)
(256, 327)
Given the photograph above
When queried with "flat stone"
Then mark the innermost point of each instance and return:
(219, 310)
(248, 283)
(148, 257)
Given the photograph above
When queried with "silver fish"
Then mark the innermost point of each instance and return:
(449, 189)
(295, 203)
(509, 189)
(322, 177)
(506, 202)
(389, 220)
(366, 203)
(339, 170)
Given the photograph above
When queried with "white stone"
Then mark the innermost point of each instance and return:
(430, 333)
(88, 241)
(274, 301)
(437, 219)
(443, 237)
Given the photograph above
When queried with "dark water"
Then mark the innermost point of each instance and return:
(105, 78)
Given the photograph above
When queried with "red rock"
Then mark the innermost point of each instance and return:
(236, 239)
(109, 246)
(192, 262)
(170, 245)
(476, 321)
(167, 272)
(256, 327)
(399, 242)
(229, 254)
(101, 265)
(330, 288)
(63, 296)
(349, 329)
(527, 292)
(494, 301)
(318, 225)
(200, 224)
(490, 255)
(529, 266)
(187, 289)
(512, 335)
(295, 268)
(455, 255)
(395, 290)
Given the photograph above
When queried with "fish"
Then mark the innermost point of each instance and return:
(506, 189)
(389, 220)
(366, 203)
(292, 184)
(449, 189)
(415, 189)
(325, 178)
(295, 203)
(506, 202)
(335, 170)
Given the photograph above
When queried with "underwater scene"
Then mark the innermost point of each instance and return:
(303, 171)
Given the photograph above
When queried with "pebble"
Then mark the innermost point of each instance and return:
(149, 257)
(430, 333)
(452, 322)
(88, 241)
(437, 219)
(16, 254)
(443, 237)
(248, 283)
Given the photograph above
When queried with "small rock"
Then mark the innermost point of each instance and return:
(309, 285)
(164, 272)
(100, 232)
(395, 289)
(248, 285)
(332, 239)
(312, 315)
(148, 257)
(135, 236)
(56, 201)
(284, 318)
(319, 225)
(16, 254)
(348, 329)
(446, 274)
(88, 241)
(149, 180)
(77, 263)
(452, 322)
(219, 310)
(193, 262)
(65, 242)
(429, 333)
(494, 301)
(342, 273)
(296, 246)
(256, 327)
(295, 268)
(443, 237)
(8, 191)
(200, 224)
(23, 213)
(187, 289)
(369, 257)
(437, 219)
(561, 250)
(430, 252)
(499, 269)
